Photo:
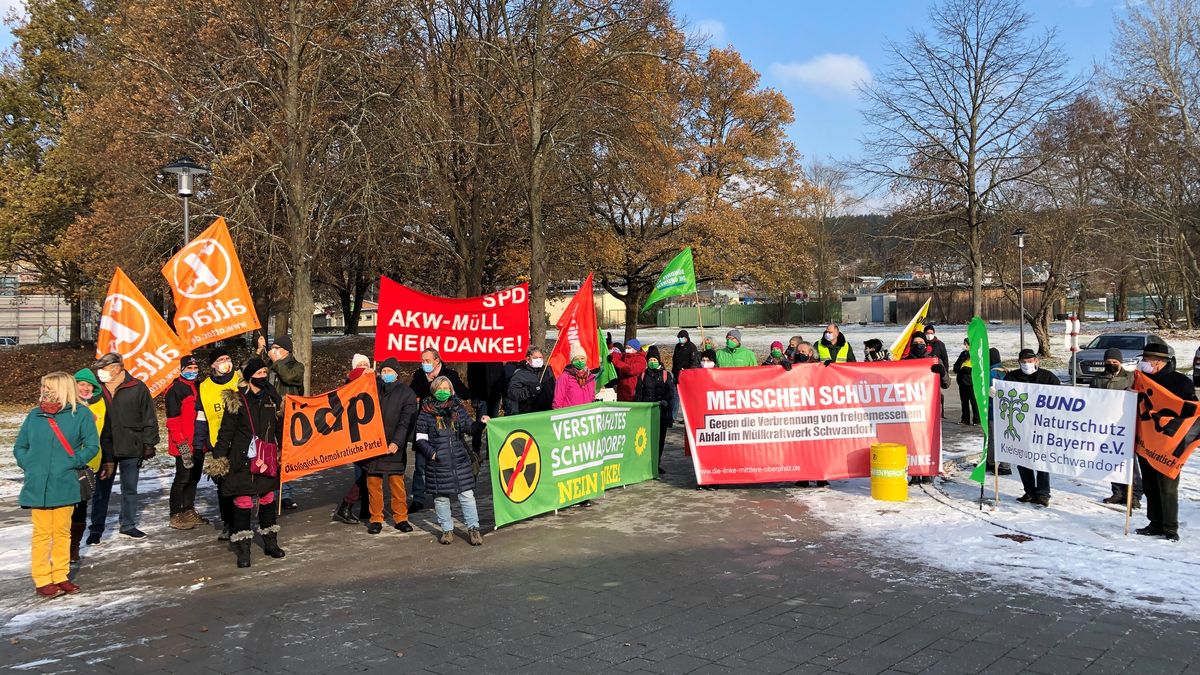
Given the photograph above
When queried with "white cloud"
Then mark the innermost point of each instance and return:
(711, 31)
(838, 74)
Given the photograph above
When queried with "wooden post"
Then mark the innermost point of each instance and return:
(699, 317)
(1128, 503)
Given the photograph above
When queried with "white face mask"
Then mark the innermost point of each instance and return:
(536, 363)
(929, 337)
(1144, 366)
(104, 376)
(223, 368)
(629, 350)
(828, 336)
(1029, 367)
(707, 364)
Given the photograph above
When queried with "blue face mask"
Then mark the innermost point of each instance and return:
(190, 374)
(388, 378)
(427, 367)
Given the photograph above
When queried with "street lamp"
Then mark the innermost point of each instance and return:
(184, 169)
(1020, 235)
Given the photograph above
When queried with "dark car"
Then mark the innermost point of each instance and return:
(1091, 357)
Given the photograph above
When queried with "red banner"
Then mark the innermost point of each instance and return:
(492, 327)
(814, 422)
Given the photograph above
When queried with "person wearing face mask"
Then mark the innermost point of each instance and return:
(87, 387)
(209, 411)
(287, 378)
(629, 365)
(873, 350)
(398, 408)
(180, 402)
(531, 387)
(935, 347)
(685, 356)
(793, 344)
(576, 385)
(734, 355)
(1036, 483)
(966, 390)
(656, 385)
(919, 350)
(441, 423)
(805, 353)
(708, 359)
(1115, 377)
(1162, 493)
(251, 413)
(833, 347)
(56, 441)
(430, 369)
(707, 343)
(128, 438)
(776, 357)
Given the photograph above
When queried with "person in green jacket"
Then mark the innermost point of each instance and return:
(735, 355)
(56, 440)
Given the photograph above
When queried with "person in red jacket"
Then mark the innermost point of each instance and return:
(629, 365)
(181, 432)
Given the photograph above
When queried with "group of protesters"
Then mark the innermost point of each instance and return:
(226, 422)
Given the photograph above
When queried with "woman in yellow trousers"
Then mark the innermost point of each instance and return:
(56, 441)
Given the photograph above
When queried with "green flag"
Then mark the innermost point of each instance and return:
(677, 278)
(981, 382)
(608, 373)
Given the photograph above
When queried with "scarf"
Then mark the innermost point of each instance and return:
(581, 375)
(50, 407)
(440, 408)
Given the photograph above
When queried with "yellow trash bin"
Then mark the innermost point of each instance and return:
(889, 472)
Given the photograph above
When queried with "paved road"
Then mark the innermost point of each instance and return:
(658, 578)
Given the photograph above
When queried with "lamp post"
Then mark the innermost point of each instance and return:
(184, 169)
(1020, 235)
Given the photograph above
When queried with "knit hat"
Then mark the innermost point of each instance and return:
(683, 334)
(777, 345)
(709, 354)
(216, 353)
(392, 363)
(929, 328)
(283, 341)
(1113, 353)
(107, 360)
(1026, 354)
(735, 334)
(188, 360)
(578, 350)
(634, 344)
(252, 366)
(86, 375)
(360, 361)
(652, 353)
(1156, 349)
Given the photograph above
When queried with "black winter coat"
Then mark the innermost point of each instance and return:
(130, 422)
(937, 349)
(420, 384)
(398, 407)
(1039, 376)
(529, 390)
(685, 356)
(485, 381)
(1175, 382)
(962, 372)
(657, 386)
(233, 440)
(440, 434)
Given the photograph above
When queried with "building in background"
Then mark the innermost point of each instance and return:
(31, 313)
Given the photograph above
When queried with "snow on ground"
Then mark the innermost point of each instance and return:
(1076, 546)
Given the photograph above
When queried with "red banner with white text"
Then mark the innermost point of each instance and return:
(493, 327)
(814, 422)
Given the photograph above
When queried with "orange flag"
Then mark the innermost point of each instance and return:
(1166, 435)
(130, 326)
(212, 301)
(338, 427)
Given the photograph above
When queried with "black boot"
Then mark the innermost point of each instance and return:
(345, 514)
(242, 548)
(271, 543)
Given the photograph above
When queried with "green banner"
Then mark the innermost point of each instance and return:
(544, 461)
(678, 278)
(981, 382)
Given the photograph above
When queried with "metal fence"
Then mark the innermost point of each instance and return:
(760, 314)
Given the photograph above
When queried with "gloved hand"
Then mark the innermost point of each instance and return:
(148, 451)
(185, 454)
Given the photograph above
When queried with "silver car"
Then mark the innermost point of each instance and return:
(1091, 357)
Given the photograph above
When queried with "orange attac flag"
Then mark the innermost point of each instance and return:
(338, 427)
(577, 324)
(212, 300)
(1166, 426)
(130, 326)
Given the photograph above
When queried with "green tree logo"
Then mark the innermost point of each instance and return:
(1012, 408)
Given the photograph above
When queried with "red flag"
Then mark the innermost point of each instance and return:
(577, 325)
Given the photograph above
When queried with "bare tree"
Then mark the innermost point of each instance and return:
(956, 108)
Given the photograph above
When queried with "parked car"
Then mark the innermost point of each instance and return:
(1091, 357)
(8, 342)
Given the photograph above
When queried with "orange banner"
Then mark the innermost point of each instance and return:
(130, 326)
(1166, 433)
(212, 300)
(331, 429)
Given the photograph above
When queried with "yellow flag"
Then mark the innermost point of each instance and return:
(917, 325)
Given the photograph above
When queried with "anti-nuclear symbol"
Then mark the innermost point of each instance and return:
(520, 464)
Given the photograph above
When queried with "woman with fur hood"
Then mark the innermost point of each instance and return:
(251, 424)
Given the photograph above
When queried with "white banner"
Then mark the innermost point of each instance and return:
(1086, 433)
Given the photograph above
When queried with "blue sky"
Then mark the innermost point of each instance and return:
(813, 51)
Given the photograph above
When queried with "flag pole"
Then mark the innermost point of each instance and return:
(1128, 502)
(699, 317)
